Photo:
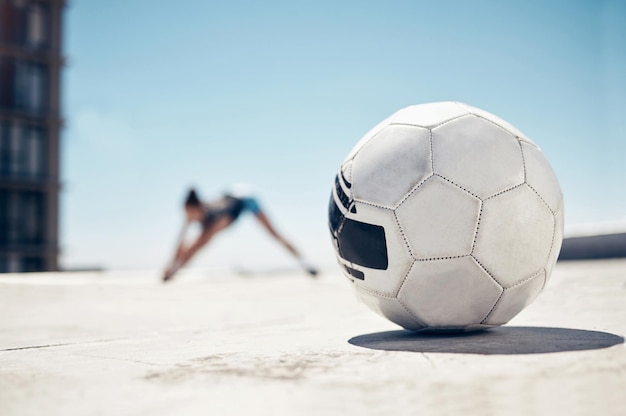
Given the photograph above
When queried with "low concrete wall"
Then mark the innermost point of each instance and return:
(594, 247)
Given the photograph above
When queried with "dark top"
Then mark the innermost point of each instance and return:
(229, 206)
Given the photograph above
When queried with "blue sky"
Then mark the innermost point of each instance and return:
(159, 96)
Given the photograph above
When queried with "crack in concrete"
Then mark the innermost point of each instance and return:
(33, 347)
(63, 344)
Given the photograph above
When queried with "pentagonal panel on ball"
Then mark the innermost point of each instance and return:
(439, 219)
(541, 177)
(391, 164)
(514, 236)
(449, 293)
(429, 115)
(477, 155)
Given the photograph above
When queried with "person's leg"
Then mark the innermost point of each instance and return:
(260, 215)
(264, 220)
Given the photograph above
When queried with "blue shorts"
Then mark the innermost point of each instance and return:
(250, 204)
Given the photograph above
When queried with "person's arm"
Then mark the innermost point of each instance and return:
(184, 254)
(180, 249)
(180, 246)
(188, 252)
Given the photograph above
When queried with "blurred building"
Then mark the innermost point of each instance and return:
(30, 122)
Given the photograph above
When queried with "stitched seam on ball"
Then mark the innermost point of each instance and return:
(406, 242)
(415, 318)
(458, 186)
(480, 216)
(540, 197)
(558, 211)
(545, 280)
(372, 204)
(408, 125)
(554, 218)
(493, 308)
(525, 140)
(504, 191)
(366, 143)
(466, 107)
(375, 292)
(412, 191)
(515, 136)
(495, 280)
(515, 285)
(443, 123)
(519, 138)
(406, 276)
(554, 224)
(523, 158)
(444, 257)
(432, 154)
(521, 282)
(487, 271)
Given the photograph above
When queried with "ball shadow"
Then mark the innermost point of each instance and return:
(502, 340)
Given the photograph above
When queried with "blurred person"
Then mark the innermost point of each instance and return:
(217, 215)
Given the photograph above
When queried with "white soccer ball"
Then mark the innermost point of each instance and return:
(446, 217)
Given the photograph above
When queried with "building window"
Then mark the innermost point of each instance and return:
(7, 21)
(17, 151)
(14, 219)
(36, 26)
(32, 214)
(5, 149)
(6, 82)
(24, 24)
(4, 218)
(29, 87)
(35, 163)
(22, 151)
(22, 218)
(23, 85)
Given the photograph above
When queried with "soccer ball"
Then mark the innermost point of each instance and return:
(446, 217)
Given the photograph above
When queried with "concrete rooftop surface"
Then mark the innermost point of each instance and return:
(214, 343)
